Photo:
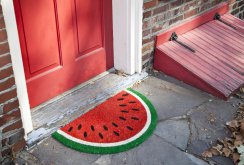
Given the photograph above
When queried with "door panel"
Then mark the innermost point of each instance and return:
(88, 16)
(63, 43)
(41, 36)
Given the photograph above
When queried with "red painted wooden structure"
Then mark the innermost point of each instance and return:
(63, 43)
(217, 66)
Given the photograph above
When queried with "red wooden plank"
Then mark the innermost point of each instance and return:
(192, 23)
(228, 34)
(216, 65)
(237, 21)
(229, 45)
(211, 36)
(235, 64)
(225, 39)
(200, 61)
(180, 55)
(227, 31)
(240, 28)
(172, 68)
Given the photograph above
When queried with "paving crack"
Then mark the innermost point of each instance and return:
(170, 143)
(192, 110)
(185, 151)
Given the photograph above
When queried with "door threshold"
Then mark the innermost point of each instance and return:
(91, 81)
(50, 116)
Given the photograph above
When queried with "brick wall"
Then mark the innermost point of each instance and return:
(237, 8)
(160, 15)
(11, 131)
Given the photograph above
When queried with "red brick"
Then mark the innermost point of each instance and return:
(148, 47)
(205, 7)
(147, 14)
(232, 1)
(146, 56)
(5, 60)
(2, 24)
(147, 40)
(6, 72)
(176, 3)
(10, 106)
(145, 24)
(241, 3)
(5, 152)
(146, 33)
(13, 137)
(3, 35)
(190, 5)
(235, 6)
(175, 20)
(4, 48)
(16, 125)
(1, 10)
(161, 9)
(7, 84)
(234, 12)
(19, 146)
(188, 1)
(190, 13)
(4, 141)
(164, 1)
(8, 95)
(150, 4)
(156, 29)
(8, 117)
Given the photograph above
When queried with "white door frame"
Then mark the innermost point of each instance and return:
(127, 27)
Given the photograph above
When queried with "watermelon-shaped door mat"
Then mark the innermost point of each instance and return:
(118, 124)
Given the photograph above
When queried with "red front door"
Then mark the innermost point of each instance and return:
(63, 43)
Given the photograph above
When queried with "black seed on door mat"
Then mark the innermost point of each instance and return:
(123, 105)
(122, 118)
(116, 133)
(129, 128)
(70, 129)
(124, 111)
(132, 102)
(126, 94)
(134, 118)
(79, 127)
(105, 127)
(92, 128)
(120, 99)
(135, 109)
(114, 124)
(101, 135)
(85, 134)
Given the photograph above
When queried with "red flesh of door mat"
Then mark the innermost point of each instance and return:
(63, 43)
(209, 53)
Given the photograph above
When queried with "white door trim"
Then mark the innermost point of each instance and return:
(15, 51)
(127, 27)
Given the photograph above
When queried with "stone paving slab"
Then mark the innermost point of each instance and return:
(51, 152)
(208, 124)
(170, 100)
(155, 151)
(176, 132)
(189, 122)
